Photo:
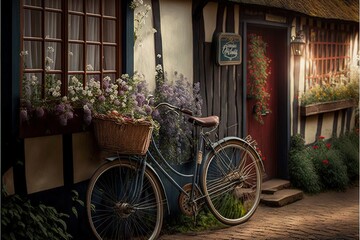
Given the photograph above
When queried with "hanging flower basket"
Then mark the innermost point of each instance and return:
(123, 136)
(324, 107)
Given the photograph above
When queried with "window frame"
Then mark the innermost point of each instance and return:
(328, 54)
(65, 41)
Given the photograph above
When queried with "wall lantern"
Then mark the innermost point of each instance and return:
(298, 43)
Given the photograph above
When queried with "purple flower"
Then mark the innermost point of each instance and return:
(24, 115)
(87, 119)
(69, 115)
(102, 98)
(60, 108)
(116, 102)
(63, 120)
(148, 109)
(39, 112)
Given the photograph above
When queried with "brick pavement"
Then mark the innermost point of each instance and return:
(329, 215)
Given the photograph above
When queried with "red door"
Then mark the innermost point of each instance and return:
(269, 135)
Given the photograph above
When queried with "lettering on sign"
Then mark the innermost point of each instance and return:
(229, 49)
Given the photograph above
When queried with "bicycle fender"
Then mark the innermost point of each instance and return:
(151, 169)
(225, 139)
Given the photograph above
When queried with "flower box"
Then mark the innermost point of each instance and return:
(324, 107)
(122, 137)
(49, 125)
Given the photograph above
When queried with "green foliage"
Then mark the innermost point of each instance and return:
(205, 220)
(348, 145)
(301, 169)
(22, 220)
(258, 71)
(302, 172)
(329, 165)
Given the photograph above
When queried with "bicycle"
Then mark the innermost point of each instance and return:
(126, 197)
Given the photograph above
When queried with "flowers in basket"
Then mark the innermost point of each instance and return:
(123, 99)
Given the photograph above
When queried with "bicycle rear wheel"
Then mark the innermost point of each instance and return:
(119, 208)
(231, 181)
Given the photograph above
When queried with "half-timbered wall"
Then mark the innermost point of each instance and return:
(331, 51)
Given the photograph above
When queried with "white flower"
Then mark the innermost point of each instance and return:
(48, 68)
(85, 107)
(49, 60)
(50, 49)
(158, 67)
(64, 98)
(58, 82)
(24, 53)
(89, 67)
(92, 100)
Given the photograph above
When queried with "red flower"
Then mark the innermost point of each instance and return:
(325, 162)
(321, 137)
(316, 147)
(328, 145)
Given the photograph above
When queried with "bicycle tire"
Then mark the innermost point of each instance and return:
(115, 212)
(231, 181)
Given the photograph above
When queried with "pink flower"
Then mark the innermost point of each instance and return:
(325, 162)
(321, 137)
(316, 147)
(328, 145)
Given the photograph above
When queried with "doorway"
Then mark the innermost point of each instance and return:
(272, 135)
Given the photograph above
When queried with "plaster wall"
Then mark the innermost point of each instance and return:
(177, 42)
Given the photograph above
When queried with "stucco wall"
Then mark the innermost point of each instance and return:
(177, 41)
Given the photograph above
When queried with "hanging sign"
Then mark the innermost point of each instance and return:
(228, 49)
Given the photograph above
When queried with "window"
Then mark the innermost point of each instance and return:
(329, 55)
(61, 39)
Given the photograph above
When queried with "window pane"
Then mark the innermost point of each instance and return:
(31, 86)
(32, 23)
(76, 27)
(52, 56)
(52, 25)
(76, 5)
(56, 4)
(33, 2)
(93, 6)
(109, 8)
(109, 31)
(93, 29)
(52, 85)
(109, 57)
(33, 57)
(93, 58)
(96, 77)
(76, 54)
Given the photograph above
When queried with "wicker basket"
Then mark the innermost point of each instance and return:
(122, 137)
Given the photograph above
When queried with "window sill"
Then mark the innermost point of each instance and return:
(324, 107)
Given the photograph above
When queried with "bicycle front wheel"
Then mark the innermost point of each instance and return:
(119, 206)
(231, 181)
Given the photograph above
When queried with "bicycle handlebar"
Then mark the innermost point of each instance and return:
(175, 108)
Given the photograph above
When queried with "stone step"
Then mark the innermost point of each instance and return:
(282, 197)
(273, 185)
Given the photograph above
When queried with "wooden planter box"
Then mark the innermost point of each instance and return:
(324, 107)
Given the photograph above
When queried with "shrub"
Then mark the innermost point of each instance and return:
(329, 165)
(20, 219)
(348, 145)
(301, 169)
